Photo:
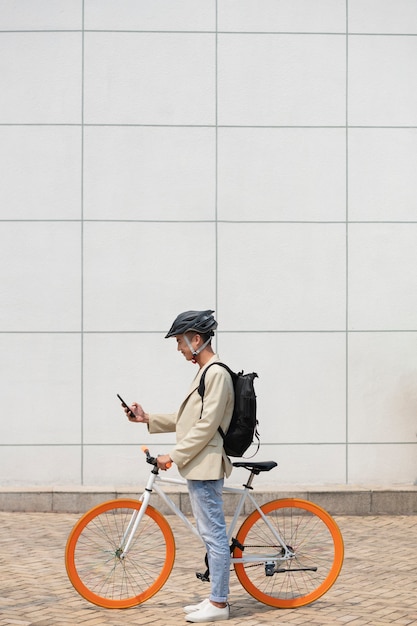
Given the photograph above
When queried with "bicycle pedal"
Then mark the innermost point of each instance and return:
(205, 578)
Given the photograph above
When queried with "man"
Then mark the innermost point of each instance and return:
(199, 453)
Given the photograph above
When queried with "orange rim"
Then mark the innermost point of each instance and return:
(301, 598)
(165, 553)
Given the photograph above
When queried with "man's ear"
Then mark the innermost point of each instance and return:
(198, 339)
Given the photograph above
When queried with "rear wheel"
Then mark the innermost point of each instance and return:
(316, 546)
(94, 556)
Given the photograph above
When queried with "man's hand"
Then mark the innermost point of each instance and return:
(164, 461)
(135, 413)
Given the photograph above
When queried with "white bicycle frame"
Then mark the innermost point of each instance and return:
(153, 486)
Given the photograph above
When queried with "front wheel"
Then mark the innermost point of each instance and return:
(311, 565)
(100, 571)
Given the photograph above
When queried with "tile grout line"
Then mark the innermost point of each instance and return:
(347, 250)
(274, 331)
(229, 126)
(284, 33)
(216, 174)
(82, 253)
(264, 444)
(207, 221)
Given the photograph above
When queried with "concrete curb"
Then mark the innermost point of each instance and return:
(338, 500)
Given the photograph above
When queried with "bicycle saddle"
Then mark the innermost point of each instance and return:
(256, 467)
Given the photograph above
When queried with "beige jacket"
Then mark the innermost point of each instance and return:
(199, 452)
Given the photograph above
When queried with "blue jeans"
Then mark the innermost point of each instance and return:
(207, 504)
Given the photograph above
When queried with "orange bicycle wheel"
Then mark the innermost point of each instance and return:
(315, 541)
(94, 561)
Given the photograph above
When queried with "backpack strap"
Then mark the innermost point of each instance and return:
(202, 388)
(258, 442)
(202, 384)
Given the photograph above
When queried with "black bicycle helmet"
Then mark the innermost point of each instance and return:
(201, 322)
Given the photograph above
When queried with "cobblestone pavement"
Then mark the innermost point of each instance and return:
(377, 585)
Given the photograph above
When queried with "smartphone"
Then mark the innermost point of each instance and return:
(126, 405)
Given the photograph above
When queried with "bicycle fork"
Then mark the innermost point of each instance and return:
(136, 519)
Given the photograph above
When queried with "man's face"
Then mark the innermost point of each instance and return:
(183, 347)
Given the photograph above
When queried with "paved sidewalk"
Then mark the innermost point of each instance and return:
(377, 585)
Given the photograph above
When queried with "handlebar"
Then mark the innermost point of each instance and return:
(152, 459)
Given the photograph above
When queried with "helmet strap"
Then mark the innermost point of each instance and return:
(195, 353)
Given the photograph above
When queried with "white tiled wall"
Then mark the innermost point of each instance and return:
(257, 157)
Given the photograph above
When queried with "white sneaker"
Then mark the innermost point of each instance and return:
(192, 608)
(208, 613)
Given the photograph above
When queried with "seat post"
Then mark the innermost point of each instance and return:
(248, 485)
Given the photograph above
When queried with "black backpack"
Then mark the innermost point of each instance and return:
(243, 426)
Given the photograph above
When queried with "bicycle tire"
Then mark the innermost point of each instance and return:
(92, 555)
(316, 541)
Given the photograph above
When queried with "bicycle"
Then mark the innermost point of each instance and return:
(286, 554)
